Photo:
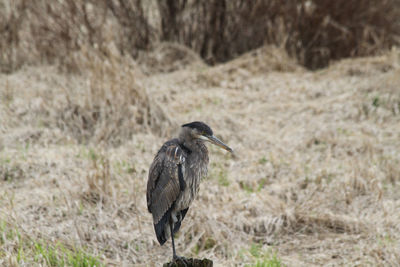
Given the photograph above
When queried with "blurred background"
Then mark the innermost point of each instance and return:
(306, 92)
(312, 32)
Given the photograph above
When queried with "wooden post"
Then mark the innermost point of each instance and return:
(190, 263)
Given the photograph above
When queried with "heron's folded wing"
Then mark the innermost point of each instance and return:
(163, 185)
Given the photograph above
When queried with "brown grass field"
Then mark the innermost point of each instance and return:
(315, 179)
(89, 91)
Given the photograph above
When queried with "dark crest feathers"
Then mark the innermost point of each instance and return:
(200, 126)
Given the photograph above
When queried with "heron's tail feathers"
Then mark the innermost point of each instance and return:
(161, 228)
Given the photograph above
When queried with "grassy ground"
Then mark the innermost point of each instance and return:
(315, 180)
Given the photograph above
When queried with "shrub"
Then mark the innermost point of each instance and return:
(314, 31)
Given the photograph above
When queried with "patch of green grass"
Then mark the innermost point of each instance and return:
(375, 101)
(88, 154)
(255, 250)
(80, 258)
(37, 252)
(92, 154)
(263, 160)
(223, 179)
(342, 131)
(20, 254)
(219, 173)
(261, 184)
(263, 258)
(59, 256)
(209, 243)
(81, 208)
(5, 160)
(196, 249)
(269, 262)
(246, 187)
(5, 234)
(47, 255)
(124, 167)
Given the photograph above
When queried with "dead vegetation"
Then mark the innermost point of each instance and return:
(314, 32)
(260, 61)
(112, 105)
(316, 177)
(169, 57)
(49, 31)
(100, 102)
(99, 98)
(315, 174)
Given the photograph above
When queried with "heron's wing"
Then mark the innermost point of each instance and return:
(165, 180)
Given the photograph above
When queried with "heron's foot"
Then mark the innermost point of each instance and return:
(177, 259)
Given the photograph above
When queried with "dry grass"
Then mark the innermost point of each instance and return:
(316, 177)
(315, 180)
(104, 103)
(169, 57)
(256, 62)
(50, 31)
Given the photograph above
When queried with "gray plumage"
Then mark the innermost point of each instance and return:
(174, 178)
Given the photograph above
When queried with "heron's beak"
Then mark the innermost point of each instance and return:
(218, 142)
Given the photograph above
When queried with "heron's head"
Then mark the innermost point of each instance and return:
(201, 131)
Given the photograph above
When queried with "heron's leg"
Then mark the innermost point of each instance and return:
(175, 257)
(173, 243)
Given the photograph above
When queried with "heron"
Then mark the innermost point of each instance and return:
(174, 178)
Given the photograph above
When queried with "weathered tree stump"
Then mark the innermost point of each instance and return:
(190, 263)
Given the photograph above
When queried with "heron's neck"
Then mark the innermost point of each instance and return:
(188, 142)
(192, 145)
(185, 148)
